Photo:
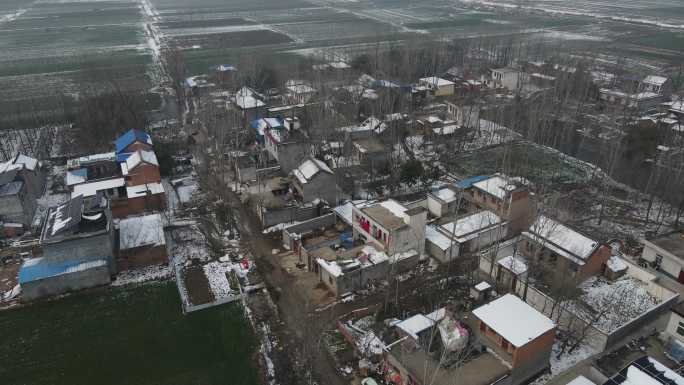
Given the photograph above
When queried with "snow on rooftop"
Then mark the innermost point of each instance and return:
(141, 156)
(141, 190)
(331, 267)
(514, 264)
(415, 325)
(562, 239)
(27, 161)
(514, 320)
(309, 168)
(147, 230)
(482, 286)
(433, 119)
(91, 189)
(245, 99)
(655, 80)
(395, 208)
(76, 176)
(616, 264)
(435, 81)
(446, 194)
(345, 211)
(496, 185)
(468, 227)
(440, 240)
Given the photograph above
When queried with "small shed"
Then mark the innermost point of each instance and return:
(41, 277)
(141, 242)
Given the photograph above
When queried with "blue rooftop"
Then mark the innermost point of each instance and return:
(40, 268)
(469, 182)
(131, 137)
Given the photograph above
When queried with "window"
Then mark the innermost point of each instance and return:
(680, 328)
(504, 344)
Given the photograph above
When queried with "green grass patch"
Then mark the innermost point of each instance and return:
(125, 336)
(520, 159)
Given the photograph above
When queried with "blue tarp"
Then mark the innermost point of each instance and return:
(467, 183)
(130, 137)
(41, 268)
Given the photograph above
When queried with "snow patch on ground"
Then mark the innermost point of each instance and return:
(145, 274)
(218, 281)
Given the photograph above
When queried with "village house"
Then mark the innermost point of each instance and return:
(645, 371)
(510, 272)
(141, 167)
(563, 250)
(508, 197)
(665, 253)
(141, 242)
(249, 105)
(21, 184)
(641, 101)
(518, 333)
(656, 84)
(674, 330)
(464, 115)
(313, 179)
(289, 147)
(299, 91)
(92, 168)
(428, 350)
(77, 244)
(370, 152)
(353, 270)
(442, 202)
(390, 226)
(132, 141)
(464, 236)
(438, 86)
(510, 78)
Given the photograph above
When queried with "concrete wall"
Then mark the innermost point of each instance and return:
(94, 247)
(12, 209)
(436, 206)
(323, 221)
(141, 256)
(65, 283)
(442, 256)
(355, 280)
(322, 186)
(291, 154)
(272, 217)
(672, 324)
(670, 265)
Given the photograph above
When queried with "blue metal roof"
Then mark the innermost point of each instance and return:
(467, 183)
(41, 268)
(120, 158)
(130, 137)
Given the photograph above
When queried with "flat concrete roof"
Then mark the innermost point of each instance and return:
(384, 217)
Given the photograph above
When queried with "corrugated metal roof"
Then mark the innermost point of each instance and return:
(131, 137)
(41, 268)
(467, 183)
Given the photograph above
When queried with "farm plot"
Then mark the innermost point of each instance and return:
(133, 335)
(47, 46)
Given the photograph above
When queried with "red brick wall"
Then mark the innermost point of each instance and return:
(141, 257)
(531, 350)
(594, 265)
(131, 206)
(144, 173)
(135, 146)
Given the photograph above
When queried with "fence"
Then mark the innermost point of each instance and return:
(272, 217)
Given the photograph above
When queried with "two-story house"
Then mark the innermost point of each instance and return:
(390, 226)
(508, 197)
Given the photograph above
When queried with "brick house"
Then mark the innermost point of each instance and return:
(132, 141)
(140, 168)
(140, 199)
(508, 197)
(141, 242)
(519, 334)
(563, 250)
